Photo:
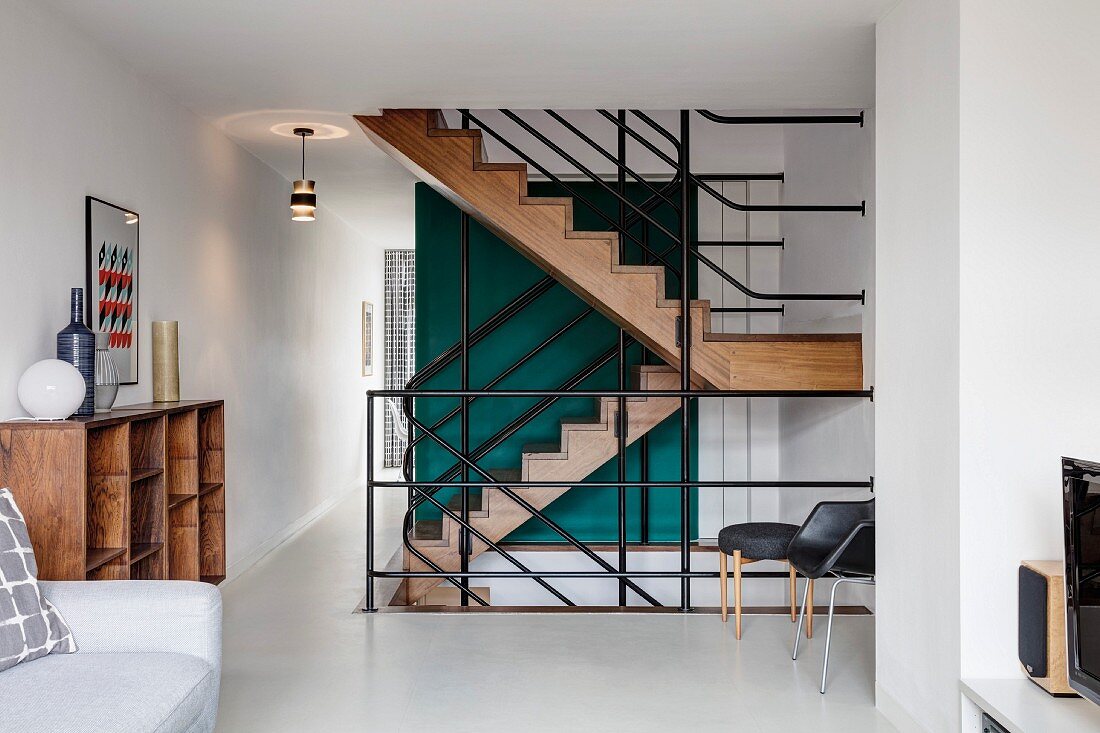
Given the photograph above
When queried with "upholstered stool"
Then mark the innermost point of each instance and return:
(748, 543)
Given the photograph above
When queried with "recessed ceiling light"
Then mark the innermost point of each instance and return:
(321, 131)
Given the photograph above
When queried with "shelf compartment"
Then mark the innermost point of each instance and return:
(147, 444)
(140, 474)
(211, 444)
(97, 556)
(181, 452)
(174, 500)
(116, 569)
(212, 533)
(209, 486)
(143, 550)
(183, 541)
(150, 566)
(107, 501)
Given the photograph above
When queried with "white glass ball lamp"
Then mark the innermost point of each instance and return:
(51, 389)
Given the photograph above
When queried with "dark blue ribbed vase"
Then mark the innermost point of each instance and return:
(76, 345)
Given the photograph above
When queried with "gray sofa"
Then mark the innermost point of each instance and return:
(148, 659)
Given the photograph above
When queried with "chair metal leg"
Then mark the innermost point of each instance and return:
(829, 631)
(801, 618)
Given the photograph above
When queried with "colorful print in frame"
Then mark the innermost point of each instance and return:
(112, 281)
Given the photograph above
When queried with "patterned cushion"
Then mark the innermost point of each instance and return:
(29, 626)
(757, 540)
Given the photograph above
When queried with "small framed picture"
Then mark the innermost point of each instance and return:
(111, 256)
(368, 339)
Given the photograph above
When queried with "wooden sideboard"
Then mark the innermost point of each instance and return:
(135, 493)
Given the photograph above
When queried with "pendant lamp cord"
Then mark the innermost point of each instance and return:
(303, 157)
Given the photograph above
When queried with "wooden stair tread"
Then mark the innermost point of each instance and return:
(785, 337)
(541, 450)
(546, 201)
(583, 423)
(455, 503)
(454, 132)
(500, 166)
(505, 474)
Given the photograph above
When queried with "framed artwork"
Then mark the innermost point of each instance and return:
(368, 339)
(111, 254)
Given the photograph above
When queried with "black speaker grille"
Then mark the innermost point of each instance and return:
(1033, 622)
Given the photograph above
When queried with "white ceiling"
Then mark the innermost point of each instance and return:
(247, 65)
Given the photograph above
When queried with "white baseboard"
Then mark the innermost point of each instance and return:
(288, 532)
(892, 710)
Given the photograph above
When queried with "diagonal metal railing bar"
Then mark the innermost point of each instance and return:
(560, 151)
(504, 375)
(572, 191)
(533, 511)
(640, 138)
(492, 545)
(660, 130)
(607, 155)
(515, 425)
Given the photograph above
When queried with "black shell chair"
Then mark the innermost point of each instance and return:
(836, 540)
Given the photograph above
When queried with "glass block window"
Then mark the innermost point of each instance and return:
(400, 357)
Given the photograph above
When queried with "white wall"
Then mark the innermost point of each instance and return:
(916, 364)
(829, 439)
(739, 438)
(268, 308)
(1030, 232)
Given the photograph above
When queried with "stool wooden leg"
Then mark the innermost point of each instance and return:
(724, 580)
(810, 611)
(794, 594)
(737, 590)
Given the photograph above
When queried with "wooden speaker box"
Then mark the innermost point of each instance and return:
(1042, 625)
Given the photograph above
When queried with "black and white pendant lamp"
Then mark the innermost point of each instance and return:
(303, 201)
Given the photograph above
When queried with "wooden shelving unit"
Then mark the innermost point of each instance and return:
(135, 493)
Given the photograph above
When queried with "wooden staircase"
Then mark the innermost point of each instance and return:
(587, 263)
(632, 296)
(585, 445)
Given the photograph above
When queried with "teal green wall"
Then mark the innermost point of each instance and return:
(498, 273)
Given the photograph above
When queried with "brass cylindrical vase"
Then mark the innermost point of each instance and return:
(166, 361)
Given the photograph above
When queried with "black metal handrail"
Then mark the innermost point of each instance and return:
(630, 214)
(781, 119)
(508, 489)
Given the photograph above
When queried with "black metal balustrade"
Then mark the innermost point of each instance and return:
(466, 473)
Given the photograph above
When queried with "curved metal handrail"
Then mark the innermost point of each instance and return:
(781, 119)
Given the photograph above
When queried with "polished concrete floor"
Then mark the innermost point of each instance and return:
(297, 659)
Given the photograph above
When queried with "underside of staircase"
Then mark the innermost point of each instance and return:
(631, 296)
